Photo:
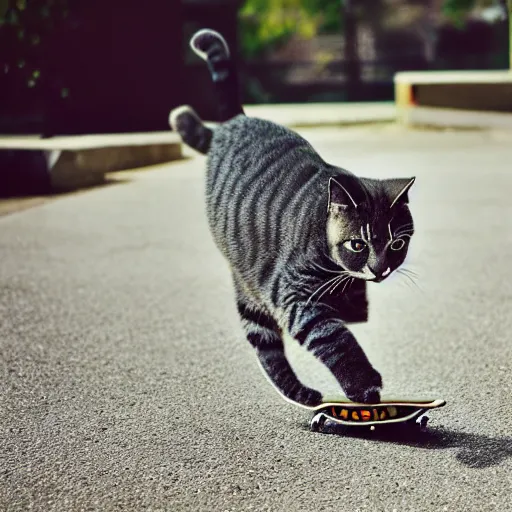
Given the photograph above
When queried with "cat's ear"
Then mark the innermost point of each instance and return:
(339, 197)
(397, 190)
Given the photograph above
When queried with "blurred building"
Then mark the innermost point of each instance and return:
(403, 35)
(99, 66)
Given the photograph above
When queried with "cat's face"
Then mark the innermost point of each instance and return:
(369, 227)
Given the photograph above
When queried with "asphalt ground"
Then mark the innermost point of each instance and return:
(126, 382)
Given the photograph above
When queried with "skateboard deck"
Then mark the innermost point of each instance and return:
(351, 414)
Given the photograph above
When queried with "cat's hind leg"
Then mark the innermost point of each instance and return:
(192, 130)
(264, 335)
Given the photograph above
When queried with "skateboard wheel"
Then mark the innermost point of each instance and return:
(318, 422)
(422, 422)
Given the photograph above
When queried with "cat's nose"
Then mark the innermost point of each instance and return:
(380, 272)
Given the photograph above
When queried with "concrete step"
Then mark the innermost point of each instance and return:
(458, 99)
(81, 161)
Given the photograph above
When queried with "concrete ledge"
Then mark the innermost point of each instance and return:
(473, 91)
(494, 97)
(86, 167)
(454, 77)
(83, 161)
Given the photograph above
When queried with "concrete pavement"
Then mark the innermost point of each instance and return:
(324, 114)
(126, 383)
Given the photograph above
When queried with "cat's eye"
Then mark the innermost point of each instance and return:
(355, 245)
(398, 244)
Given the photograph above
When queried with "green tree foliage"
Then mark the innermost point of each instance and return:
(265, 24)
(457, 10)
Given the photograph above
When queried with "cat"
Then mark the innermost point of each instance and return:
(302, 237)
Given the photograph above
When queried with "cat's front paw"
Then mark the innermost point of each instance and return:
(367, 396)
(364, 387)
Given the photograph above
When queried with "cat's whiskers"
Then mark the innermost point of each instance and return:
(322, 286)
(410, 271)
(348, 284)
(332, 287)
(346, 281)
(340, 275)
(406, 272)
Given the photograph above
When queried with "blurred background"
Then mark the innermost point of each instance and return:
(76, 66)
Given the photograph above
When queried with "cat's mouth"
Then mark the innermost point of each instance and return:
(368, 274)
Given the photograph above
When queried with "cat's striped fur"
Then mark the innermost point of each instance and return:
(301, 236)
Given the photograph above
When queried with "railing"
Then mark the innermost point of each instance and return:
(308, 81)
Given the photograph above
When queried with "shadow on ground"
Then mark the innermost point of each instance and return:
(473, 450)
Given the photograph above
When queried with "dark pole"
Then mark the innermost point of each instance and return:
(509, 15)
(351, 54)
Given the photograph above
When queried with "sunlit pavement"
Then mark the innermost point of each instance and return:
(126, 382)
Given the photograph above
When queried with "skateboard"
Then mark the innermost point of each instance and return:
(388, 412)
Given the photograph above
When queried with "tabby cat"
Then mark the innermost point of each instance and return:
(302, 237)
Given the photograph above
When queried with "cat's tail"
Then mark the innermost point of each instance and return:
(213, 49)
(192, 130)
